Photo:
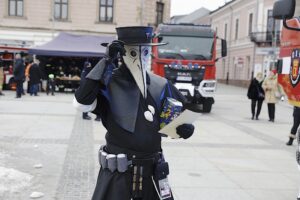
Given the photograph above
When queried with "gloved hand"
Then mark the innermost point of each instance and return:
(185, 130)
(114, 48)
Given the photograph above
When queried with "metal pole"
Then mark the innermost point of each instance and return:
(254, 45)
(274, 44)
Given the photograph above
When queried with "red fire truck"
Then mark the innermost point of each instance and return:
(188, 60)
(289, 63)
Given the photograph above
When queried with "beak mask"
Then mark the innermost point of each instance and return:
(137, 60)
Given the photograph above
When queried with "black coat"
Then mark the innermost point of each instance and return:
(255, 90)
(34, 74)
(19, 70)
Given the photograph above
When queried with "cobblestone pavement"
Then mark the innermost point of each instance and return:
(230, 156)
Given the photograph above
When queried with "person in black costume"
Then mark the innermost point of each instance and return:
(129, 101)
(296, 116)
(256, 94)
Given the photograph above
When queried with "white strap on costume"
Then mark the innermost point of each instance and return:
(84, 108)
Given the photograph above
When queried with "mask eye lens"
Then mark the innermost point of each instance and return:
(133, 53)
(146, 52)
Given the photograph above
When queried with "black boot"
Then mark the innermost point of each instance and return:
(290, 142)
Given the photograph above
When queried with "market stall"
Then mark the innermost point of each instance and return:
(65, 54)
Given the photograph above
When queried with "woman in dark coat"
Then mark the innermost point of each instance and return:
(256, 94)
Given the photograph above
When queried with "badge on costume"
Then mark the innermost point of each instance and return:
(164, 188)
(294, 69)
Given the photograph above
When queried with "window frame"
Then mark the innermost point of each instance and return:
(225, 31)
(160, 7)
(106, 6)
(60, 17)
(250, 23)
(16, 8)
(236, 33)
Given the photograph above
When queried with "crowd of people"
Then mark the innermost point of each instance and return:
(268, 90)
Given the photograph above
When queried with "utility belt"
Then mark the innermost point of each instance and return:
(141, 165)
(119, 159)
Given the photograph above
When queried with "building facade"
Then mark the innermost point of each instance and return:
(252, 39)
(26, 23)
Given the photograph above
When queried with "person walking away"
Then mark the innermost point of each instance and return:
(1, 75)
(19, 75)
(87, 67)
(257, 94)
(296, 116)
(272, 93)
(50, 84)
(35, 78)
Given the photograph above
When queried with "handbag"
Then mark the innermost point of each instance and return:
(260, 94)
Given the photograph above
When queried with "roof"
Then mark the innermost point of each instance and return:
(226, 4)
(66, 44)
(190, 18)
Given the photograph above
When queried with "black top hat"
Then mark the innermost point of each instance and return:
(136, 35)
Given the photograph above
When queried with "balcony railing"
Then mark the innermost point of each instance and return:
(265, 38)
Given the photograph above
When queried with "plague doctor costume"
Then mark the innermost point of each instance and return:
(129, 100)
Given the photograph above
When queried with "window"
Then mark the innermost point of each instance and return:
(61, 9)
(225, 31)
(159, 12)
(15, 8)
(236, 29)
(250, 23)
(106, 10)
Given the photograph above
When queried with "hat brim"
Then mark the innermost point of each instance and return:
(137, 44)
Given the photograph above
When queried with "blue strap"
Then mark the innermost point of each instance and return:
(162, 94)
(107, 74)
(169, 90)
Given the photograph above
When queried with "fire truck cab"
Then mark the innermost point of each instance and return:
(289, 63)
(188, 61)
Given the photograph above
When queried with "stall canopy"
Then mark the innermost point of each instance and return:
(66, 44)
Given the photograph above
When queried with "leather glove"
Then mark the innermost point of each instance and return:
(185, 130)
(114, 48)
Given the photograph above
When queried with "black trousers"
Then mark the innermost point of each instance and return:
(271, 111)
(253, 105)
(19, 89)
(295, 125)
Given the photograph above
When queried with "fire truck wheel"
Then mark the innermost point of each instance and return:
(207, 107)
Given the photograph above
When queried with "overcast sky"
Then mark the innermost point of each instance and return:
(182, 7)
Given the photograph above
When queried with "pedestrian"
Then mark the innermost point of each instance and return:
(27, 79)
(273, 93)
(50, 84)
(296, 117)
(1, 75)
(87, 67)
(256, 94)
(34, 78)
(129, 101)
(19, 75)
